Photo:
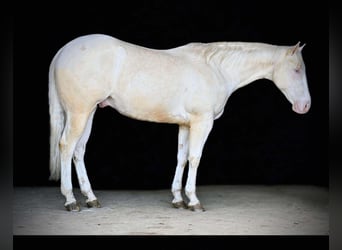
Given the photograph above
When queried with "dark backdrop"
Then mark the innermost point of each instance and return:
(258, 140)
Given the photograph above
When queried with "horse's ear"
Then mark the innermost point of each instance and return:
(293, 49)
(301, 47)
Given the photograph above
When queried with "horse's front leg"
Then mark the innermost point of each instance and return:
(199, 131)
(182, 157)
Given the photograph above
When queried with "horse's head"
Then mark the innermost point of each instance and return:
(289, 76)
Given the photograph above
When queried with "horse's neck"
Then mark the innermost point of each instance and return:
(243, 63)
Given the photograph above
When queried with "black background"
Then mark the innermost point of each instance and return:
(258, 140)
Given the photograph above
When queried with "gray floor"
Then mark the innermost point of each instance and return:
(230, 210)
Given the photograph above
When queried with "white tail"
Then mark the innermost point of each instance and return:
(56, 124)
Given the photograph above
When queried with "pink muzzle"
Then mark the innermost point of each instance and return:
(301, 107)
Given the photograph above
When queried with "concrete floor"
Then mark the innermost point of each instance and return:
(230, 210)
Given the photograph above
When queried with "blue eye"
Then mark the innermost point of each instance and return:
(297, 70)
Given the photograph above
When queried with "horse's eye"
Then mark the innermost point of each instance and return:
(298, 67)
(297, 70)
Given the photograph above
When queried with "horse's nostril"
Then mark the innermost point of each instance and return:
(307, 106)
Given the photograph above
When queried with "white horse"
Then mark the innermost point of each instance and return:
(188, 85)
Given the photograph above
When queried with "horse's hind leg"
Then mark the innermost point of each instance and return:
(75, 124)
(78, 159)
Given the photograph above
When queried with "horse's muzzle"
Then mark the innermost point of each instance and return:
(301, 107)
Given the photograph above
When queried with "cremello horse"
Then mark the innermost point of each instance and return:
(187, 85)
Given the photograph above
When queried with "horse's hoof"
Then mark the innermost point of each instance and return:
(196, 208)
(94, 203)
(179, 204)
(73, 207)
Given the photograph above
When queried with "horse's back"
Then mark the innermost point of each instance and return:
(142, 83)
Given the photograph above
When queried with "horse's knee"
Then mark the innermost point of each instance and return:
(194, 161)
(64, 144)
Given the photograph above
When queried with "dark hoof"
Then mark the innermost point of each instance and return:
(94, 203)
(179, 204)
(74, 207)
(196, 208)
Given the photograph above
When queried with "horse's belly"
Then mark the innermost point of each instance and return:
(147, 111)
(156, 114)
